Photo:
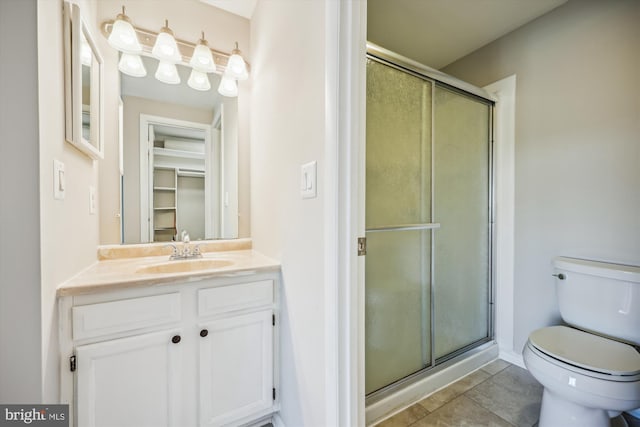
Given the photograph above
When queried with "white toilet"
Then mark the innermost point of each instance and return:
(590, 370)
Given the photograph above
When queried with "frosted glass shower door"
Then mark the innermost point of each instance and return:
(398, 205)
(428, 222)
(461, 206)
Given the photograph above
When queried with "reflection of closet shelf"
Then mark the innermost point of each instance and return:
(165, 211)
(191, 173)
(167, 152)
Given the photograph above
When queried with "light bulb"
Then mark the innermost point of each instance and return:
(167, 73)
(199, 81)
(131, 65)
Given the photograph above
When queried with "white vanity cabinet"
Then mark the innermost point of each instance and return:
(139, 376)
(200, 353)
(236, 351)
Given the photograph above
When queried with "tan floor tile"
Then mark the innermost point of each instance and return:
(512, 394)
(447, 394)
(496, 366)
(406, 417)
(461, 412)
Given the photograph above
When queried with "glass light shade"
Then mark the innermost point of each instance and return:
(131, 65)
(166, 48)
(202, 59)
(167, 73)
(199, 81)
(236, 67)
(123, 36)
(228, 87)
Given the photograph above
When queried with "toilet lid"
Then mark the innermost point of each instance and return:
(586, 350)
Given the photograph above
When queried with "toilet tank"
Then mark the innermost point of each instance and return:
(600, 297)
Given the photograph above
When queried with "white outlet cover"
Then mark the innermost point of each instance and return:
(59, 180)
(92, 200)
(308, 184)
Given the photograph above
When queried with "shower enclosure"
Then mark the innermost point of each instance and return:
(428, 220)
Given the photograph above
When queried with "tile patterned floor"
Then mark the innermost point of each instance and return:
(499, 394)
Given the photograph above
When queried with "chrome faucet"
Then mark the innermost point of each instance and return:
(186, 250)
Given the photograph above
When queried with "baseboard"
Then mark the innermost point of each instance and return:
(277, 421)
(512, 357)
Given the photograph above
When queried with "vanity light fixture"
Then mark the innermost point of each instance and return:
(228, 86)
(167, 73)
(166, 49)
(236, 67)
(131, 65)
(123, 37)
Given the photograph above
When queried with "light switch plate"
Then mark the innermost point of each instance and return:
(92, 200)
(308, 187)
(59, 180)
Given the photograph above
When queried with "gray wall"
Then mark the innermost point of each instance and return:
(577, 159)
(20, 319)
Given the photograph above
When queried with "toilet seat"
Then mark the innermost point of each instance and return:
(598, 356)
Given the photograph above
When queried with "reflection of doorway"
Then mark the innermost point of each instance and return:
(179, 179)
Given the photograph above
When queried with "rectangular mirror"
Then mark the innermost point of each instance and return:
(180, 159)
(83, 85)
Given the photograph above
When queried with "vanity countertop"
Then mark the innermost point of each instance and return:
(124, 273)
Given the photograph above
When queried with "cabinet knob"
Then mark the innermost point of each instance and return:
(204, 333)
(175, 339)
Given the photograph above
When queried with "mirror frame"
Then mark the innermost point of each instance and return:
(74, 28)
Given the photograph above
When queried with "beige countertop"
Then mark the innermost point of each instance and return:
(124, 273)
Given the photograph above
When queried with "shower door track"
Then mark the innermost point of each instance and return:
(436, 77)
(394, 60)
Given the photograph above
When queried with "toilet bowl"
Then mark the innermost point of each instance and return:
(590, 369)
(587, 379)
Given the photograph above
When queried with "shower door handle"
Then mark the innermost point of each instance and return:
(405, 227)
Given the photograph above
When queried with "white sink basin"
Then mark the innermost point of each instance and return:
(183, 266)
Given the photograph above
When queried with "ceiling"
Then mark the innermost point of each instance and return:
(438, 32)
(243, 8)
(433, 32)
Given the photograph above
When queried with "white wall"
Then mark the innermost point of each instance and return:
(577, 150)
(69, 234)
(20, 311)
(287, 130)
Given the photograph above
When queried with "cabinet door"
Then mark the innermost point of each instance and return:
(236, 368)
(133, 381)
